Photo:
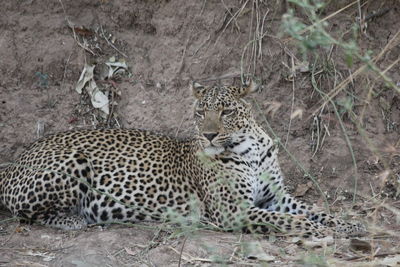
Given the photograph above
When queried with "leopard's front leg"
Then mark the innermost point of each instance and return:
(229, 205)
(285, 203)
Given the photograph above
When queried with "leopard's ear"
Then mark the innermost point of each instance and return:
(197, 89)
(249, 87)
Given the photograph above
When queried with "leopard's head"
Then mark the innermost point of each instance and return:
(220, 114)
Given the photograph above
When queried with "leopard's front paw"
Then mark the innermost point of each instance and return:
(351, 229)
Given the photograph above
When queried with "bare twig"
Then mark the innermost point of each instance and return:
(225, 25)
(65, 70)
(190, 258)
(202, 44)
(112, 106)
(376, 14)
(236, 248)
(111, 44)
(11, 235)
(292, 105)
(361, 21)
(182, 62)
(180, 125)
(180, 254)
(3, 165)
(70, 24)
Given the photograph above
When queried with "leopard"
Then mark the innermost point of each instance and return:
(227, 173)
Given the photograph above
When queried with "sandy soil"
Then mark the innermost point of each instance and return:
(166, 44)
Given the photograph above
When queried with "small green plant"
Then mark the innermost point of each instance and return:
(43, 81)
(311, 259)
(314, 36)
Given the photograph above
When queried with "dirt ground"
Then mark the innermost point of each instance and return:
(44, 46)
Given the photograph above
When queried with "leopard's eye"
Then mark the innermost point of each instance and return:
(200, 112)
(227, 112)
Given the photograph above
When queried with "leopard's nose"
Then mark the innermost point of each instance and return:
(210, 136)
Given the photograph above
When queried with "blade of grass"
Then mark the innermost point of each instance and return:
(343, 128)
(293, 158)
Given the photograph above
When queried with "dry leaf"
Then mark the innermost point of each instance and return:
(388, 261)
(272, 107)
(115, 67)
(302, 189)
(303, 67)
(130, 251)
(389, 148)
(45, 255)
(21, 229)
(384, 104)
(254, 251)
(360, 245)
(318, 242)
(98, 98)
(29, 263)
(83, 31)
(383, 176)
(297, 113)
(86, 75)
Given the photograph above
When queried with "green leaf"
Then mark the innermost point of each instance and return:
(349, 60)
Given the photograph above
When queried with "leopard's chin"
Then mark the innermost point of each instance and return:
(213, 150)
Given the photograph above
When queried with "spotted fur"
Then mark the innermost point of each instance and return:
(230, 169)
